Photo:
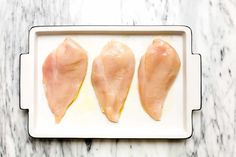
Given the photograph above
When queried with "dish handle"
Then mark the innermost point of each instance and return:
(26, 81)
(195, 82)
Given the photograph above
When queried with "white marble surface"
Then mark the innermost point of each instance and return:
(214, 36)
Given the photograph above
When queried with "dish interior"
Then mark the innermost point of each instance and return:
(84, 117)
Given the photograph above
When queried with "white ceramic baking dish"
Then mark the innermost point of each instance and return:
(84, 118)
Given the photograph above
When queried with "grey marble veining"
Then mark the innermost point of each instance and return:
(214, 36)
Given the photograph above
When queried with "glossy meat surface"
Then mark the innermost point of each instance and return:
(112, 73)
(63, 73)
(157, 71)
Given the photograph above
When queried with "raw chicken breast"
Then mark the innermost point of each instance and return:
(63, 73)
(112, 74)
(157, 71)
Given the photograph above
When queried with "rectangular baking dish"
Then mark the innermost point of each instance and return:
(84, 119)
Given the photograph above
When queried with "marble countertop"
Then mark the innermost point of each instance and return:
(214, 36)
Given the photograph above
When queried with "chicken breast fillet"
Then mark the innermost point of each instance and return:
(157, 71)
(112, 73)
(63, 73)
